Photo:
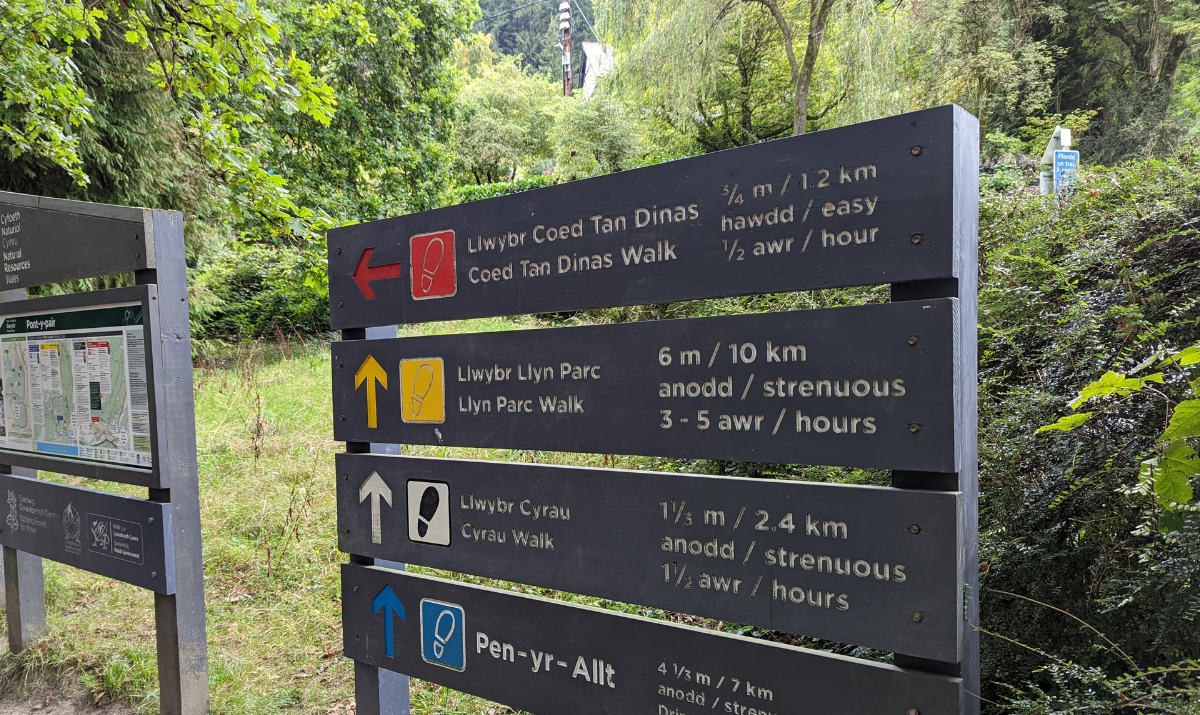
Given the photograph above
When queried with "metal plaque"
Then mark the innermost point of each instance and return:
(553, 658)
(865, 386)
(858, 205)
(47, 240)
(872, 566)
(120, 537)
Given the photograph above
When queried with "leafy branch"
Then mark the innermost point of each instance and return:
(1168, 472)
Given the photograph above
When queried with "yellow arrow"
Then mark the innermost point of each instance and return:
(371, 371)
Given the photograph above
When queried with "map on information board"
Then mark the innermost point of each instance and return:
(74, 384)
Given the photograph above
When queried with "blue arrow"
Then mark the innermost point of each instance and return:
(387, 599)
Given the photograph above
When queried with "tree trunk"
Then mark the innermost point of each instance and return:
(802, 73)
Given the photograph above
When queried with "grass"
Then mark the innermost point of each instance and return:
(266, 457)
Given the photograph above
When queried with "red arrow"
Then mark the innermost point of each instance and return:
(364, 274)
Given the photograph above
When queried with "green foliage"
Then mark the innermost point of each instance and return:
(529, 32)
(129, 149)
(507, 115)
(252, 291)
(384, 151)
(217, 61)
(593, 137)
(43, 103)
(1037, 131)
(996, 144)
(1077, 295)
(479, 192)
(1167, 474)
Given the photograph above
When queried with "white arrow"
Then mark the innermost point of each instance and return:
(375, 487)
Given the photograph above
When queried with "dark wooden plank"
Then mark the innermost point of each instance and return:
(829, 561)
(51, 240)
(858, 205)
(604, 662)
(120, 537)
(835, 366)
(63, 319)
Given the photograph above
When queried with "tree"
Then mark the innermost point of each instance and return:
(674, 47)
(385, 151)
(507, 114)
(218, 62)
(128, 149)
(592, 137)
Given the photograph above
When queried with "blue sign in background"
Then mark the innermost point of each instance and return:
(443, 634)
(1066, 164)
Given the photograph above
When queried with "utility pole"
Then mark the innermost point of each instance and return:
(564, 42)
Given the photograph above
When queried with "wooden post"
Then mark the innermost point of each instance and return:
(182, 642)
(70, 240)
(24, 587)
(378, 691)
(966, 479)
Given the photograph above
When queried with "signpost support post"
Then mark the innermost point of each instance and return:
(179, 617)
(378, 691)
(966, 479)
(24, 587)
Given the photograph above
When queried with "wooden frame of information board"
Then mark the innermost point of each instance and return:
(49, 241)
(374, 260)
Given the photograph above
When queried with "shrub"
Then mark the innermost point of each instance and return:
(249, 291)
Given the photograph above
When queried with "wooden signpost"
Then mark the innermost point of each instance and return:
(859, 205)
(559, 659)
(865, 387)
(99, 385)
(48, 240)
(860, 565)
(887, 386)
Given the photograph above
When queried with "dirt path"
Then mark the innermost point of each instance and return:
(46, 701)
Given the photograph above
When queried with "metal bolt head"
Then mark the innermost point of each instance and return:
(342, 417)
(912, 711)
(340, 304)
(347, 530)
(345, 477)
(151, 520)
(356, 589)
(914, 428)
(153, 574)
(917, 151)
(339, 251)
(918, 616)
(913, 340)
(915, 529)
(917, 238)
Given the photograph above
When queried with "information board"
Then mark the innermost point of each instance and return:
(120, 537)
(867, 386)
(552, 658)
(98, 384)
(75, 384)
(851, 564)
(45, 240)
(857, 205)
